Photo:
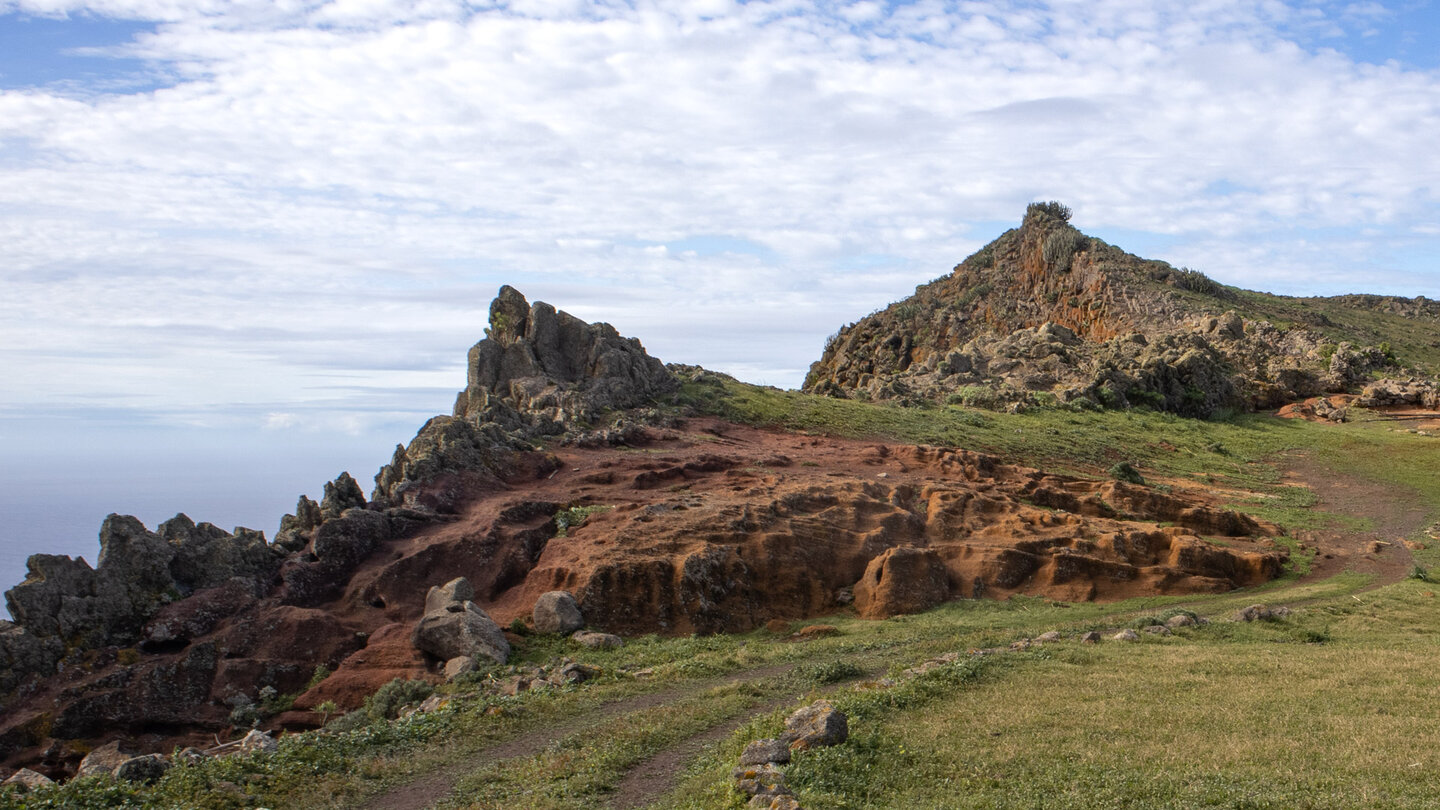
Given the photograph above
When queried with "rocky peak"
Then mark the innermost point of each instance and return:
(545, 369)
(1045, 314)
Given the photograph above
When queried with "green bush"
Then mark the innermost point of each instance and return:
(1125, 471)
(1061, 247)
(1052, 208)
(389, 699)
(574, 517)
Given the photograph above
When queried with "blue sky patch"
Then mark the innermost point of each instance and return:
(81, 50)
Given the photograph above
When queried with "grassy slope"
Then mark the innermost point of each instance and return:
(1324, 709)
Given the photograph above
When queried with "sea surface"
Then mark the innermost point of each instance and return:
(57, 484)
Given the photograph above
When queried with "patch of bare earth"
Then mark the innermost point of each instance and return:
(1393, 513)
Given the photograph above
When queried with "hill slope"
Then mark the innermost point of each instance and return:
(1045, 314)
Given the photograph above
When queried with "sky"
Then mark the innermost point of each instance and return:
(245, 245)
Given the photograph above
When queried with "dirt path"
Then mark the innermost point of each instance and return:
(654, 777)
(431, 788)
(1394, 513)
(647, 781)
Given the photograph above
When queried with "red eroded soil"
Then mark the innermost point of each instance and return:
(717, 527)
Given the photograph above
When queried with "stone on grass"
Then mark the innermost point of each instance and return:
(145, 769)
(460, 665)
(761, 752)
(557, 612)
(1092, 637)
(1179, 620)
(1157, 629)
(816, 726)
(1049, 637)
(1255, 613)
(600, 641)
(1126, 635)
(760, 780)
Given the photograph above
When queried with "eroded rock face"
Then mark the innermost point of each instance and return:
(553, 369)
(902, 580)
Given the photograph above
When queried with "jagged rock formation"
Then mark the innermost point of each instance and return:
(553, 370)
(64, 605)
(1045, 315)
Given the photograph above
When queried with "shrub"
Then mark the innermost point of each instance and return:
(1061, 247)
(1125, 471)
(389, 699)
(1421, 573)
(574, 517)
(1052, 208)
(243, 712)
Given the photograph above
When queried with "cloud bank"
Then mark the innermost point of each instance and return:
(303, 218)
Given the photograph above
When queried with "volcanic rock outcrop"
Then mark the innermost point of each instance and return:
(553, 370)
(1045, 314)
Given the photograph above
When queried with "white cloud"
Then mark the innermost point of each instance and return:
(338, 188)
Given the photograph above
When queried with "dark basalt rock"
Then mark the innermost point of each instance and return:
(551, 369)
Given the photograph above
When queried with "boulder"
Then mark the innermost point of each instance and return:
(1126, 635)
(1049, 637)
(761, 752)
(1180, 620)
(460, 629)
(600, 641)
(760, 780)
(1091, 637)
(456, 667)
(557, 612)
(146, 769)
(1263, 613)
(441, 597)
(902, 580)
(104, 760)
(816, 726)
(26, 779)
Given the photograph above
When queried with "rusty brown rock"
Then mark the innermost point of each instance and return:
(901, 580)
